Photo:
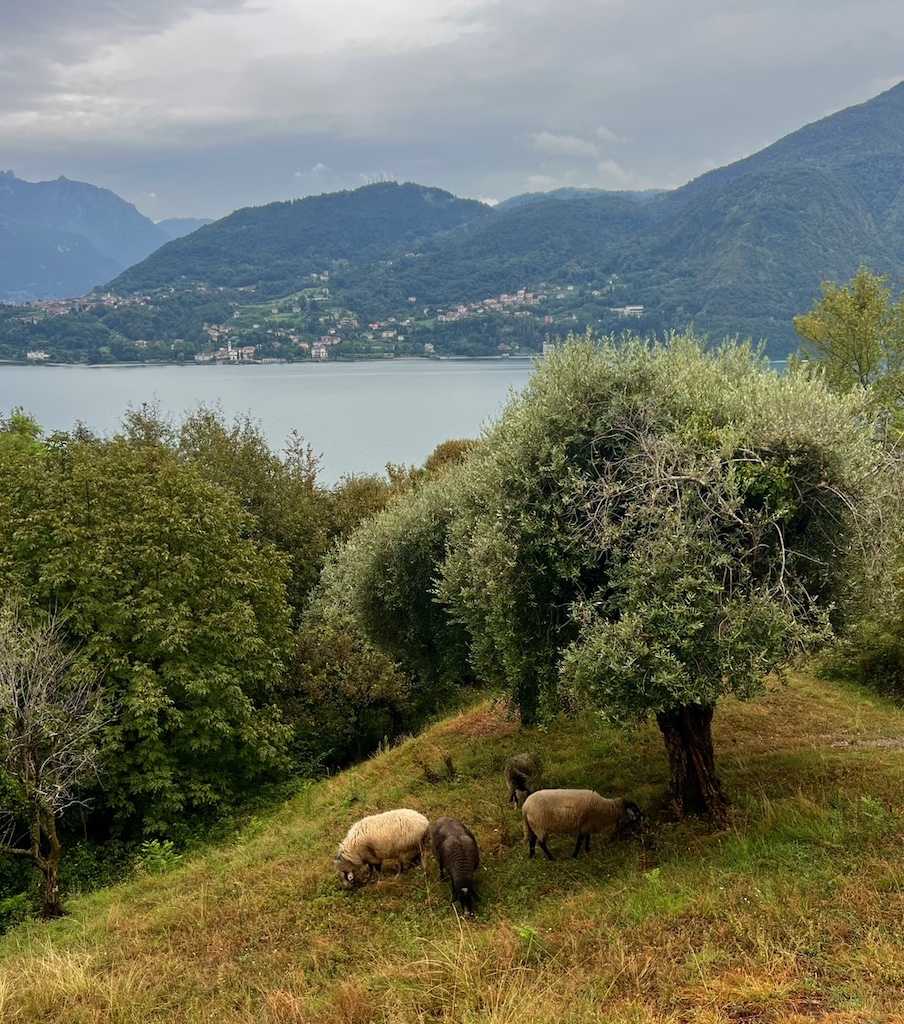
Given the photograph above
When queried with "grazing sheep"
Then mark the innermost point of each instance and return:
(457, 854)
(579, 812)
(393, 835)
(523, 773)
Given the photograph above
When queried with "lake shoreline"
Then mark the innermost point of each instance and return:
(275, 362)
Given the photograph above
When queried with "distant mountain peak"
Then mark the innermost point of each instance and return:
(63, 237)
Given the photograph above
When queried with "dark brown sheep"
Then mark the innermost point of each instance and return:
(523, 773)
(457, 855)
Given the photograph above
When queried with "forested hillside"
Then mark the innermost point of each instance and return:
(273, 248)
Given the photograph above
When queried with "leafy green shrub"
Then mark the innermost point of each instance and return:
(172, 598)
(346, 695)
(278, 492)
(872, 648)
(391, 568)
(14, 910)
(157, 856)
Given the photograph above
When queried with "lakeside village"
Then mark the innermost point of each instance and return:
(308, 325)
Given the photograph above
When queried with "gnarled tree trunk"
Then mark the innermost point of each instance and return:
(49, 864)
(694, 787)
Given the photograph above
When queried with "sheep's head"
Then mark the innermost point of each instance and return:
(466, 897)
(632, 817)
(349, 873)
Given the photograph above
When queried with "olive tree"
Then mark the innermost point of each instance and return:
(651, 528)
(51, 717)
(391, 566)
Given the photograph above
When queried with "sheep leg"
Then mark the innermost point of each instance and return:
(545, 849)
(532, 840)
(578, 844)
(587, 841)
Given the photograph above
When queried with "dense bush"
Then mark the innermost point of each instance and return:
(871, 649)
(279, 492)
(391, 565)
(346, 696)
(171, 598)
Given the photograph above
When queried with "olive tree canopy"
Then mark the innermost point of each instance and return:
(650, 528)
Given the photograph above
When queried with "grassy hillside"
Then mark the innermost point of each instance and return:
(794, 914)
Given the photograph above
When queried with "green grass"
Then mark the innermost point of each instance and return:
(794, 913)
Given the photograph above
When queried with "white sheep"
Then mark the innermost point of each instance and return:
(579, 812)
(397, 835)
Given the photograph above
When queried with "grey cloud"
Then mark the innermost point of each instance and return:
(564, 145)
(486, 97)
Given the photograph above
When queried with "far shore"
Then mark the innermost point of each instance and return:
(276, 362)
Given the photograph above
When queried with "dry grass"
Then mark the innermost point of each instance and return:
(793, 914)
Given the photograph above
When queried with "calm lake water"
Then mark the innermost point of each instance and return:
(359, 416)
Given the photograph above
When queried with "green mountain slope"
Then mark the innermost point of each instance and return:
(275, 247)
(741, 249)
(738, 251)
(574, 239)
(176, 227)
(791, 915)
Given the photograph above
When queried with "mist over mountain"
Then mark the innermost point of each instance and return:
(64, 237)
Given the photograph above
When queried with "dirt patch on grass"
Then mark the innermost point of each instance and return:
(495, 719)
(872, 743)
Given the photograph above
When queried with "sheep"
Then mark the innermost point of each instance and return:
(393, 835)
(457, 854)
(523, 773)
(574, 811)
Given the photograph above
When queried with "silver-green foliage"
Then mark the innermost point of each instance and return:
(391, 564)
(650, 526)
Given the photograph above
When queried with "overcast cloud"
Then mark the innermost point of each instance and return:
(195, 107)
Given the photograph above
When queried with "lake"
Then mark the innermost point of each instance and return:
(358, 416)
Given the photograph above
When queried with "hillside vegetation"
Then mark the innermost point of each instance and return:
(793, 913)
(275, 246)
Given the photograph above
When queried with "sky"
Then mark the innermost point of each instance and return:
(197, 107)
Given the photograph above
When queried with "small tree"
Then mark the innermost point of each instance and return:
(856, 333)
(51, 716)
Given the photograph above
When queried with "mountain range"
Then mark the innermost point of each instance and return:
(737, 251)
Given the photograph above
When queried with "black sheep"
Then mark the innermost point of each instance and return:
(457, 855)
